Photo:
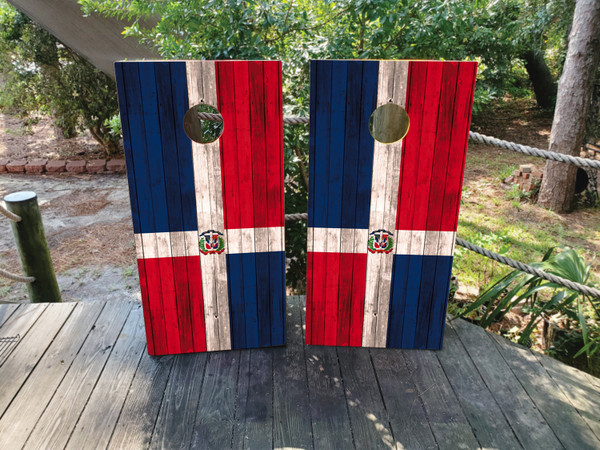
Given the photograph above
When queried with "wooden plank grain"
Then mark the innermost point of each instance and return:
(215, 414)
(562, 417)
(17, 368)
(291, 414)
(329, 414)
(62, 413)
(370, 423)
(7, 310)
(175, 422)
(406, 415)
(253, 425)
(483, 413)
(575, 385)
(136, 422)
(528, 424)
(29, 404)
(444, 412)
(98, 419)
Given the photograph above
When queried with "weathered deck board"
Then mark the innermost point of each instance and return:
(562, 417)
(62, 413)
(175, 422)
(482, 411)
(290, 385)
(99, 417)
(525, 419)
(404, 406)
(80, 378)
(23, 414)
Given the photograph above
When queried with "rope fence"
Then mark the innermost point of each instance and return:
(6, 213)
(18, 278)
(473, 136)
(586, 290)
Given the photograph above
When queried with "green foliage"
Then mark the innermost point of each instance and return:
(43, 76)
(295, 31)
(541, 299)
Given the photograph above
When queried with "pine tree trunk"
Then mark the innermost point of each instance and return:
(572, 103)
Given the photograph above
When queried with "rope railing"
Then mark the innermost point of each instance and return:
(475, 137)
(532, 151)
(18, 278)
(582, 288)
(6, 213)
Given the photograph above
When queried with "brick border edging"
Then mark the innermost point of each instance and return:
(40, 166)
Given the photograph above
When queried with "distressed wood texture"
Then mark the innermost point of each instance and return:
(390, 289)
(184, 194)
(80, 378)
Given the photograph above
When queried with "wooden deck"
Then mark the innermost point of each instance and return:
(79, 377)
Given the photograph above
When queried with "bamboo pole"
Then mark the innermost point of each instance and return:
(32, 246)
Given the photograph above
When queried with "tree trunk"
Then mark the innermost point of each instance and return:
(541, 78)
(572, 103)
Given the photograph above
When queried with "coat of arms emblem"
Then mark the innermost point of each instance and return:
(211, 241)
(380, 241)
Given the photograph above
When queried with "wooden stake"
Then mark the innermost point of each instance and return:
(32, 246)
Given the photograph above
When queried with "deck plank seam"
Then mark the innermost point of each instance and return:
(162, 399)
(273, 397)
(498, 343)
(39, 358)
(112, 346)
(337, 357)
(302, 306)
(531, 398)
(14, 310)
(565, 394)
(45, 307)
(493, 392)
(486, 385)
(127, 395)
(64, 375)
(237, 402)
(419, 396)
(382, 397)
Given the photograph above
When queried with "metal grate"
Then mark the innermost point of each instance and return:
(7, 344)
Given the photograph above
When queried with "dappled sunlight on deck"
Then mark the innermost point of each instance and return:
(79, 376)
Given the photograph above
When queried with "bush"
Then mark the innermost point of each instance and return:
(42, 75)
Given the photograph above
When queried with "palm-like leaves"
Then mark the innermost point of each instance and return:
(518, 287)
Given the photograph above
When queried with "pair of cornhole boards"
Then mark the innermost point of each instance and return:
(387, 151)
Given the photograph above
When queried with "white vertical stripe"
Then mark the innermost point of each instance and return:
(202, 88)
(392, 85)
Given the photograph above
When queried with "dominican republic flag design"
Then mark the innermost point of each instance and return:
(208, 218)
(382, 218)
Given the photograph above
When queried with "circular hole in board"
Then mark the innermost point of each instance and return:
(389, 123)
(199, 129)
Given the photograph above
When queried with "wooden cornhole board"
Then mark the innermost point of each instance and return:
(383, 217)
(208, 218)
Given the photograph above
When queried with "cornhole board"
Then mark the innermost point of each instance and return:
(208, 218)
(383, 217)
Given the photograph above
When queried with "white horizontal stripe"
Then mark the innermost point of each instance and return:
(271, 240)
(166, 244)
(337, 240)
(185, 243)
(419, 242)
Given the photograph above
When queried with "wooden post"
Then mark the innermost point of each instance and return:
(32, 246)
